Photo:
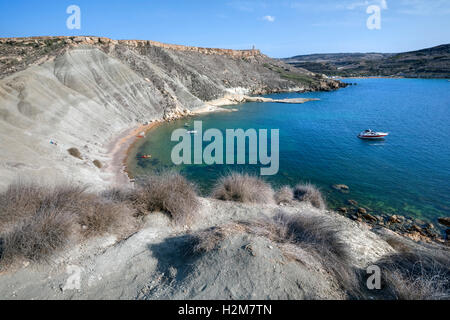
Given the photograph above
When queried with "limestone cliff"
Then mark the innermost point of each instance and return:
(83, 91)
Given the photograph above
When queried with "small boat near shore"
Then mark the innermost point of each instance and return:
(372, 135)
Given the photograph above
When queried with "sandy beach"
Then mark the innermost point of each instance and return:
(119, 150)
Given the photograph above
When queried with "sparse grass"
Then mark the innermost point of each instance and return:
(313, 234)
(209, 239)
(74, 152)
(309, 193)
(299, 78)
(243, 188)
(416, 276)
(316, 235)
(167, 192)
(98, 164)
(285, 195)
(293, 76)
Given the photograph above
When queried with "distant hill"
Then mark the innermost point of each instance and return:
(426, 63)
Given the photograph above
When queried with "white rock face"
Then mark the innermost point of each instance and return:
(85, 93)
(82, 99)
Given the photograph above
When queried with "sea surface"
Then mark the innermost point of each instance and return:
(408, 173)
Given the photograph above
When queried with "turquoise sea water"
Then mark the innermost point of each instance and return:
(408, 173)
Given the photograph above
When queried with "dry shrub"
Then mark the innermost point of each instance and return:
(22, 200)
(397, 243)
(74, 152)
(167, 192)
(98, 164)
(284, 196)
(243, 188)
(318, 232)
(19, 201)
(98, 218)
(416, 276)
(38, 237)
(309, 193)
(36, 221)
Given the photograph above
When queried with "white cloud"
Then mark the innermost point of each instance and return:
(269, 18)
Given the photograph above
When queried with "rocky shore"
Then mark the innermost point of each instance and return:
(410, 227)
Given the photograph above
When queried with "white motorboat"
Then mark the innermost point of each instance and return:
(372, 135)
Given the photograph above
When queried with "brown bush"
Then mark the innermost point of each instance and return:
(167, 192)
(38, 237)
(284, 196)
(309, 193)
(98, 164)
(97, 218)
(243, 188)
(36, 221)
(74, 152)
(19, 201)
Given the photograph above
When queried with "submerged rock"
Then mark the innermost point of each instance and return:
(444, 221)
(343, 209)
(340, 187)
(370, 217)
(362, 210)
(396, 219)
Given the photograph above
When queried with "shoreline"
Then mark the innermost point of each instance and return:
(126, 141)
(122, 145)
(119, 151)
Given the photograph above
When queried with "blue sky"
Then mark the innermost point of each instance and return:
(280, 28)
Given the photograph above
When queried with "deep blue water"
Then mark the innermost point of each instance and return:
(408, 173)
